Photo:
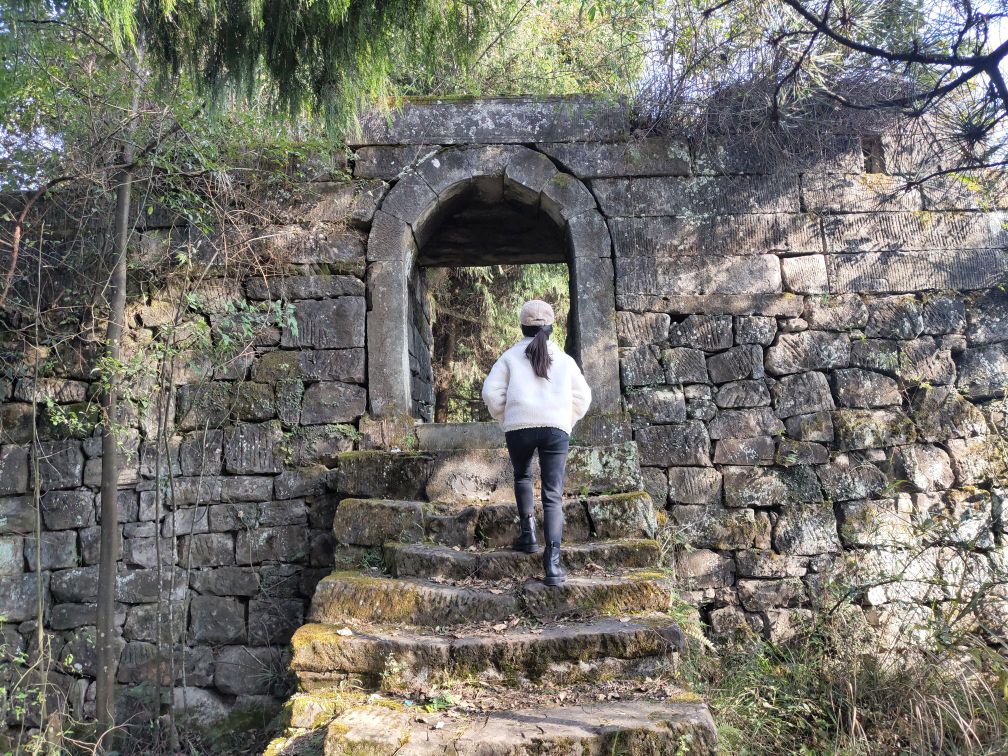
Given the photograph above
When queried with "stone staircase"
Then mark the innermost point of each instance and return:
(432, 637)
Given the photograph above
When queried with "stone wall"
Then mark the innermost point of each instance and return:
(812, 364)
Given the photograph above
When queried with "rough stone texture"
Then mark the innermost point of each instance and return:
(983, 372)
(738, 363)
(808, 350)
(871, 429)
(677, 444)
(864, 389)
(684, 365)
(768, 487)
(801, 394)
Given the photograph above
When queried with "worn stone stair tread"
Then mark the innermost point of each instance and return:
(347, 597)
(637, 726)
(322, 648)
(426, 560)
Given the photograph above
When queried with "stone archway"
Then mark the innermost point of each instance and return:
(411, 213)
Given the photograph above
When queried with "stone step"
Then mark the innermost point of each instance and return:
(373, 522)
(480, 475)
(422, 560)
(351, 598)
(320, 650)
(640, 726)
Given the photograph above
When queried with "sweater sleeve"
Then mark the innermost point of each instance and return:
(495, 389)
(581, 395)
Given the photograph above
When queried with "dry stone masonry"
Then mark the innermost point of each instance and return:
(800, 373)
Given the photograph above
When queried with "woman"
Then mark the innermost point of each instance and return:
(537, 393)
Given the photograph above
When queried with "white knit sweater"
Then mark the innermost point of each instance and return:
(518, 398)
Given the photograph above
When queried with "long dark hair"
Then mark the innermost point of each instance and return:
(538, 350)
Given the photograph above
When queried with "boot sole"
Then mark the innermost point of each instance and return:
(554, 582)
(526, 550)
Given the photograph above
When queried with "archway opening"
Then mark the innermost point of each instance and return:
(485, 257)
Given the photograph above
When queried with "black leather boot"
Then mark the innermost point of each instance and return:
(526, 540)
(555, 574)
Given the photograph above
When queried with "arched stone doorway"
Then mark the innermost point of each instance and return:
(410, 217)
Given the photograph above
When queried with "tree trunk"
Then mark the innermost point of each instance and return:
(445, 383)
(106, 646)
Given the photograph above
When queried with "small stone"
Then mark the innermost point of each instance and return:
(700, 409)
(715, 527)
(770, 486)
(988, 319)
(63, 510)
(700, 569)
(855, 387)
(11, 555)
(883, 523)
(250, 448)
(59, 550)
(844, 482)
(760, 563)
(215, 619)
(61, 464)
(792, 325)
(332, 402)
(983, 372)
(760, 595)
(239, 670)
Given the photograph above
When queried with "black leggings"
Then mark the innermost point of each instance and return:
(552, 444)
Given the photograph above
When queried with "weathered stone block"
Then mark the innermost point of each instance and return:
(274, 621)
(738, 363)
(857, 193)
(758, 450)
(18, 596)
(983, 372)
(988, 319)
(226, 581)
(13, 469)
(801, 394)
(214, 619)
(841, 312)
(640, 367)
(250, 448)
(758, 563)
(715, 527)
(883, 523)
(976, 461)
(790, 453)
(944, 314)
(154, 622)
(327, 324)
(287, 543)
(923, 467)
(648, 157)
(332, 402)
(636, 329)
(207, 550)
(760, 595)
(657, 405)
(11, 555)
(694, 485)
(805, 274)
(755, 329)
(293, 287)
(62, 510)
(141, 586)
(656, 485)
(238, 670)
(845, 480)
(744, 423)
(872, 429)
(808, 350)
(806, 529)
(767, 487)
(684, 366)
(741, 394)
(372, 522)
(678, 444)
(816, 426)
(694, 274)
(143, 551)
(61, 464)
(200, 452)
(59, 550)
(701, 569)
(895, 318)
(708, 332)
(855, 387)
(252, 402)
